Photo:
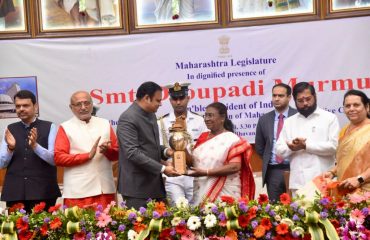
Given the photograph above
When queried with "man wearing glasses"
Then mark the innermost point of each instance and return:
(85, 146)
(308, 139)
(181, 186)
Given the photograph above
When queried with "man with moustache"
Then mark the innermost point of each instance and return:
(308, 139)
(268, 129)
(86, 146)
(140, 152)
(27, 151)
(181, 186)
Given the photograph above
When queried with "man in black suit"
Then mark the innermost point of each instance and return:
(268, 130)
(140, 152)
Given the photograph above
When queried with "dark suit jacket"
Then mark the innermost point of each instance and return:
(265, 137)
(139, 154)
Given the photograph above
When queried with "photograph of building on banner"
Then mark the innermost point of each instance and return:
(155, 13)
(12, 16)
(244, 9)
(343, 5)
(79, 14)
(8, 88)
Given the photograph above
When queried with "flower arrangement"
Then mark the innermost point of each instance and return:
(227, 219)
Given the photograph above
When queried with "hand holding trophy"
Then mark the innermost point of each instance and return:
(179, 140)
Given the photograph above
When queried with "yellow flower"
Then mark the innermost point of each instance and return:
(119, 214)
(139, 219)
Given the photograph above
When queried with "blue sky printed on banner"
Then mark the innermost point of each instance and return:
(25, 83)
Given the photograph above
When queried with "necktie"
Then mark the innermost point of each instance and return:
(279, 127)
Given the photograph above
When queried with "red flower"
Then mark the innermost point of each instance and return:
(243, 221)
(79, 236)
(282, 228)
(44, 230)
(165, 234)
(55, 223)
(180, 229)
(25, 235)
(340, 204)
(285, 199)
(213, 238)
(263, 198)
(222, 223)
(227, 199)
(54, 208)
(39, 207)
(176, 16)
(335, 223)
(138, 227)
(307, 236)
(21, 225)
(244, 200)
(282, 237)
(252, 212)
(265, 222)
(16, 207)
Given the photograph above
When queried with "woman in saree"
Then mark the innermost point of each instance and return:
(353, 152)
(221, 160)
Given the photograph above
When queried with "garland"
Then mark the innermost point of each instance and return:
(227, 219)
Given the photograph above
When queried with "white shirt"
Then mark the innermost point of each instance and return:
(320, 130)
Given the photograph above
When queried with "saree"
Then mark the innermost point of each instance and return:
(216, 152)
(353, 153)
(353, 158)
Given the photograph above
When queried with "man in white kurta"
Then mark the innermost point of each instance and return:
(308, 139)
(181, 186)
(85, 146)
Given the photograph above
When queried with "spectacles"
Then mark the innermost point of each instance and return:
(80, 104)
(304, 99)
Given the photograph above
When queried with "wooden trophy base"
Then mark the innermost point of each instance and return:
(179, 161)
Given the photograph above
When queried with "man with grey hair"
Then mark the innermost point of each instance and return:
(86, 146)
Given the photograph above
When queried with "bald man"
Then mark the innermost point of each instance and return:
(86, 146)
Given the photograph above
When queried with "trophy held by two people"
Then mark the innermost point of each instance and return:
(179, 140)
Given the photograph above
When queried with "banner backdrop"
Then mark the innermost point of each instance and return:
(236, 66)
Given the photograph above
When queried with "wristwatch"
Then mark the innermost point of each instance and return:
(360, 179)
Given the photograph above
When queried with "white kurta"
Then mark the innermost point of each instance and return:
(321, 130)
(94, 177)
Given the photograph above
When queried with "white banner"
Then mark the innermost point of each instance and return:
(236, 66)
